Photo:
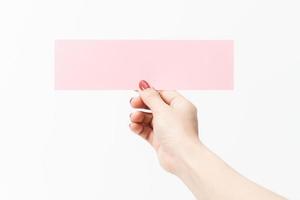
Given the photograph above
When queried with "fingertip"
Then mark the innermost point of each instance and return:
(144, 85)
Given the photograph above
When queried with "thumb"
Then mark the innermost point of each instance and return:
(151, 97)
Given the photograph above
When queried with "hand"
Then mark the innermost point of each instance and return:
(172, 126)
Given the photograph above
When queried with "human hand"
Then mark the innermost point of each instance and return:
(171, 127)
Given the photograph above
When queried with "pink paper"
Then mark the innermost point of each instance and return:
(165, 64)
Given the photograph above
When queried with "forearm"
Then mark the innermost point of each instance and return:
(210, 178)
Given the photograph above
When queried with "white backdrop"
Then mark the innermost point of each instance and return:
(77, 145)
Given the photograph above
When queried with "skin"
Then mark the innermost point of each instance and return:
(171, 128)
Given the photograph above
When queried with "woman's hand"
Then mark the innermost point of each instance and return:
(171, 128)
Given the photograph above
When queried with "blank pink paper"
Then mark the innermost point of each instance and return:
(165, 64)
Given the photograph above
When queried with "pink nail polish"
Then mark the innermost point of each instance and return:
(144, 85)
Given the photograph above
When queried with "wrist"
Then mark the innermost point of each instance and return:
(189, 155)
(197, 161)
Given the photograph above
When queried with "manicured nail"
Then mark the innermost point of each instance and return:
(144, 85)
(130, 100)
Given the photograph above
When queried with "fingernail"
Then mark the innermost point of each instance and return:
(144, 85)
(130, 100)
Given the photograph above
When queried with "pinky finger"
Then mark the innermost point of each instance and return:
(136, 127)
(142, 130)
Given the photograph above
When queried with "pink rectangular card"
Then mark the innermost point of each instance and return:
(165, 64)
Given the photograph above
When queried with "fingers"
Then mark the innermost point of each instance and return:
(151, 97)
(141, 124)
(141, 117)
(170, 96)
(155, 99)
(137, 102)
(141, 130)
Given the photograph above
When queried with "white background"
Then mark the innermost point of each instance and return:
(77, 145)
